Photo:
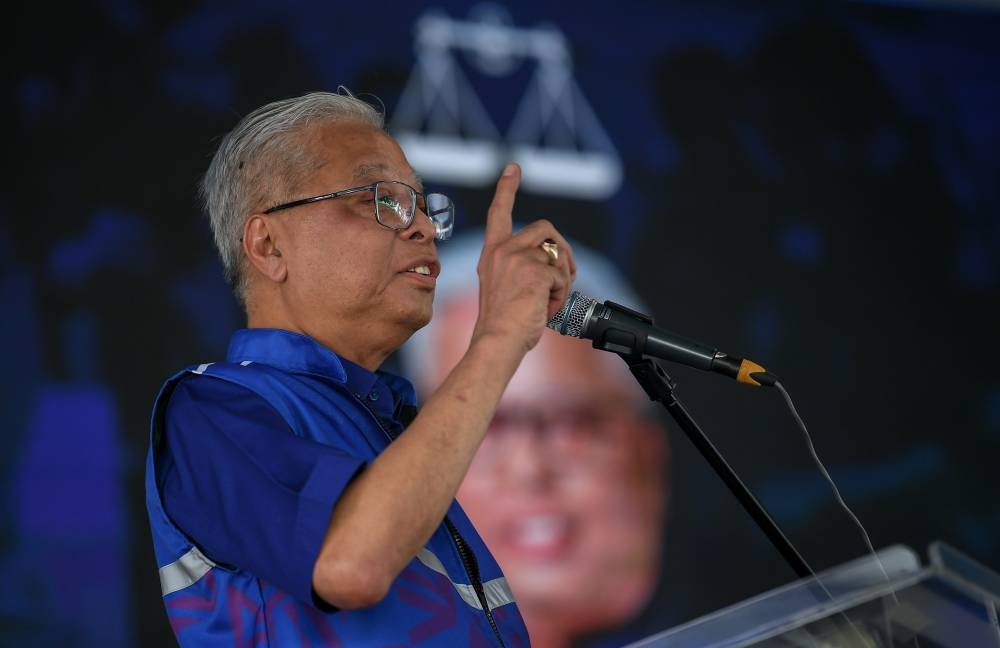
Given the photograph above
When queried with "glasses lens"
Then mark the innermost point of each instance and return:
(441, 211)
(394, 204)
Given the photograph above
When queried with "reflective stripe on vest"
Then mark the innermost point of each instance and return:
(189, 568)
(185, 571)
(497, 590)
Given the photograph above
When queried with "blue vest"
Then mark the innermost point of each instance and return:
(431, 602)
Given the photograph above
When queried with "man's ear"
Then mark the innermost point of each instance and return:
(261, 247)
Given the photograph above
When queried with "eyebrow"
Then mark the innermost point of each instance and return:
(373, 170)
(368, 170)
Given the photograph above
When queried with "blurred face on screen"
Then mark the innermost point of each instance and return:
(567, 488)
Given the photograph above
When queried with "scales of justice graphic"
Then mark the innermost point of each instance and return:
(450, 137)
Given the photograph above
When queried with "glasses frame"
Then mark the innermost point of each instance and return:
(439, 232)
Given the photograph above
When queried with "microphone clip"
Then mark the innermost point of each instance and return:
(657, 384)
(616, 339)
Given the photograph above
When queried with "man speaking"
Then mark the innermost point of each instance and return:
(295, 495)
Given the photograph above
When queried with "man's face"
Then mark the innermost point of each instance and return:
(344, 268)
(568, 486)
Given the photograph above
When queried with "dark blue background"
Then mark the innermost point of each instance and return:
(817, 188)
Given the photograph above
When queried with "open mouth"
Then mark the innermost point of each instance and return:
(420, 270)
(540, 536)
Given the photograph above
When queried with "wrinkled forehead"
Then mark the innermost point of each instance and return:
(559, 367)
(359, 153)
(563, 369)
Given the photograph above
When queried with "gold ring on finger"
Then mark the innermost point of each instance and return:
(552, 249)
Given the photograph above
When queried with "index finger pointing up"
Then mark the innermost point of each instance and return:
(499, 219)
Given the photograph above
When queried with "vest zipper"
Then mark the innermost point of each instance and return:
(468, 557)
(472, 570)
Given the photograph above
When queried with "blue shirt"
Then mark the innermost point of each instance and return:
(248, 459)
(228, 456)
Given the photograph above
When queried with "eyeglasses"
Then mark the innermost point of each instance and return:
(576, 435)
(395, 204)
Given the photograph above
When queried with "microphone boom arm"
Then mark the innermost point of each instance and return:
(659, 387)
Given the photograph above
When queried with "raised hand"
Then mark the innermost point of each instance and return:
(520, 286)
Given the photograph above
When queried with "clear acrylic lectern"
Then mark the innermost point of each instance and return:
(953, 602)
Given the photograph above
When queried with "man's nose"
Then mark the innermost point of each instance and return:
(421, 229)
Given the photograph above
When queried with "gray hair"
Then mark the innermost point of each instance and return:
(261, 160)
(596, 277)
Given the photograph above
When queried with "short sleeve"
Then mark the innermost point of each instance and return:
(243, 487)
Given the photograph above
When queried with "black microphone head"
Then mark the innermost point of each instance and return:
(572, 317)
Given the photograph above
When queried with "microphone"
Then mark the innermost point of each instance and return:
(618, 329)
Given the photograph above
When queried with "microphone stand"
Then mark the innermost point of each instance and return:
(660, 387)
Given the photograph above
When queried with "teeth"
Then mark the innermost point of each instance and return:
(424, 270)
(541, 530)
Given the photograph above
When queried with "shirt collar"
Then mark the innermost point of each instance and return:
(297, 353)
(286, 350)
